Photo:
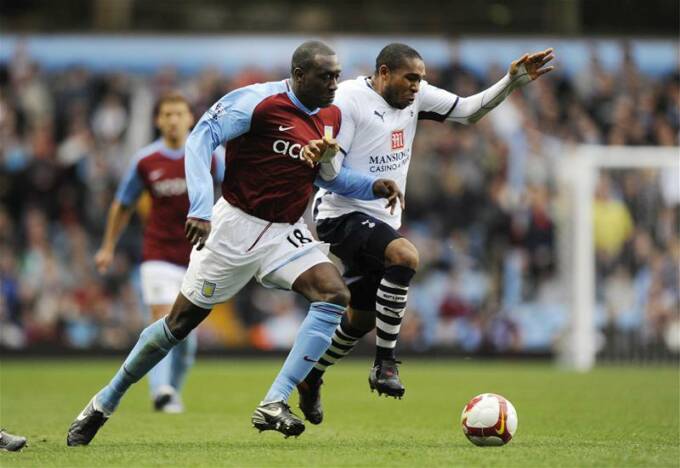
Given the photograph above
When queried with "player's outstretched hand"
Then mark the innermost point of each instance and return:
(533, 63)
(197, 231)
(317, 151)
(386, 188)
(103, 259)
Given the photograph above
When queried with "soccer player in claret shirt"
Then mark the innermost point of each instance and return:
(380, 114)
(256, 229)
(159, 169)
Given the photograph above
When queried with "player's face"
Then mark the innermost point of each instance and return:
(174, 120)
(402, 84)
(316, 86)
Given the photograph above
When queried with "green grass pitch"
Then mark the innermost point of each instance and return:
(613, 416)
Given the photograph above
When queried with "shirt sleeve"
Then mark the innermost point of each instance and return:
(227, 119)
(435, 103)
(472, 108)
(219, 164)
(131, 186)
(349, 183)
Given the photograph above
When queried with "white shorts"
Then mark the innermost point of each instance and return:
(241, 246)
(161, 282)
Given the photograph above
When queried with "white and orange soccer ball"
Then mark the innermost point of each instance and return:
(489, 419)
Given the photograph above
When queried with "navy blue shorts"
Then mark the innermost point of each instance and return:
(359, 240)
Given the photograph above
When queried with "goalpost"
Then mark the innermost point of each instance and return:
(578, 171)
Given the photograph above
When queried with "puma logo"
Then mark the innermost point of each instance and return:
(382, 116)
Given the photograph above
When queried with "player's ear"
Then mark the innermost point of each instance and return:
(384, 71)
(298, 74)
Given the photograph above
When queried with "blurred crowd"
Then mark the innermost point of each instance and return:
(483, 210)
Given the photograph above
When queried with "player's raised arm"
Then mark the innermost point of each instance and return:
(521, 71)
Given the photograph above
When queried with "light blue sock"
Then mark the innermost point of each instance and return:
(313, 338)
(183, 356)
(154, 343)
(160, 374)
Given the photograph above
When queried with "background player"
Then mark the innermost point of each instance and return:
(257, 229)
(159, 169)
(380, 114)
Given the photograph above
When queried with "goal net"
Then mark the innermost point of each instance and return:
(619, 254)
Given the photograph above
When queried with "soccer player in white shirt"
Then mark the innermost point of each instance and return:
(380, 114)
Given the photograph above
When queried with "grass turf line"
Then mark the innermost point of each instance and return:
(613, 416)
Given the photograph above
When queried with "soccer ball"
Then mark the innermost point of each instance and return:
(489, 419)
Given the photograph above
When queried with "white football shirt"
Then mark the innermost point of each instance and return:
(376, 139)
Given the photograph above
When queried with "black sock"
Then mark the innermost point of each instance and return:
(390, 307)
(343, 341)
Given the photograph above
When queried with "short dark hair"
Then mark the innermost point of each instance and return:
(170, 97)
(394, 55)
(304, 55)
